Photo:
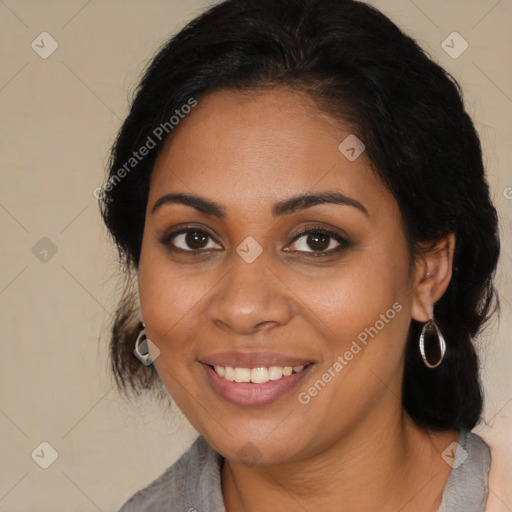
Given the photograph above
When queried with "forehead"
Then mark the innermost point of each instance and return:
(252, 147)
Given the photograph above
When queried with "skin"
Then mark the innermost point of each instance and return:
(352, 447)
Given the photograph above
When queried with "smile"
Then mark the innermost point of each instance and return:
(257, 386)
(256, 375)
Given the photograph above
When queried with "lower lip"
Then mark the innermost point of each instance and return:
(249, 394)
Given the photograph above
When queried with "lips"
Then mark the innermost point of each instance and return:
(260, 391)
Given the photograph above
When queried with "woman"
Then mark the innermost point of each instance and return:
(301, 196)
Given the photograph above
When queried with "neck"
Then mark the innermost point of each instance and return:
(396, 466)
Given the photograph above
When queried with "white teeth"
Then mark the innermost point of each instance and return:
(229, 373)
(259, 375)
(275, 372)
(242, 375)
(256, 375)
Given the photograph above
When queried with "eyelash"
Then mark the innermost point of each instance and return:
(343, 242)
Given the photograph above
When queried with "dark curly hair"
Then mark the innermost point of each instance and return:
(359, 67)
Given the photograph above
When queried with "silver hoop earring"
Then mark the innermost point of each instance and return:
(141, 347)
(431, 325)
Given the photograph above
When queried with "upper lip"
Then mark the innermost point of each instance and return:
(253, 359)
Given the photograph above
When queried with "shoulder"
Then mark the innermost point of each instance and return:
(192, 483)
(468, 484)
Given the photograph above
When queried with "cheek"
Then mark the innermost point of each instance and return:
(171, 303)
(362, 314)
(353, 297)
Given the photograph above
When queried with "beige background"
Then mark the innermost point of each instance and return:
(59, 116)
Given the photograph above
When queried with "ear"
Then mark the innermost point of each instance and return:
(432, 275)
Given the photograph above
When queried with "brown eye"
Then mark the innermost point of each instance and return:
(191, 240)
(196, 240)
(319, 242)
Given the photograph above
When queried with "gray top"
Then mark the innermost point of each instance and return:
(193, 482)
(468, 484)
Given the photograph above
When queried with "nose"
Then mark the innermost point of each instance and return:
(250, 298)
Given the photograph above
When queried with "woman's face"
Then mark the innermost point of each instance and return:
(241, 286)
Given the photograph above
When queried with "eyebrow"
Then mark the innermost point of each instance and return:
(290, 205)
